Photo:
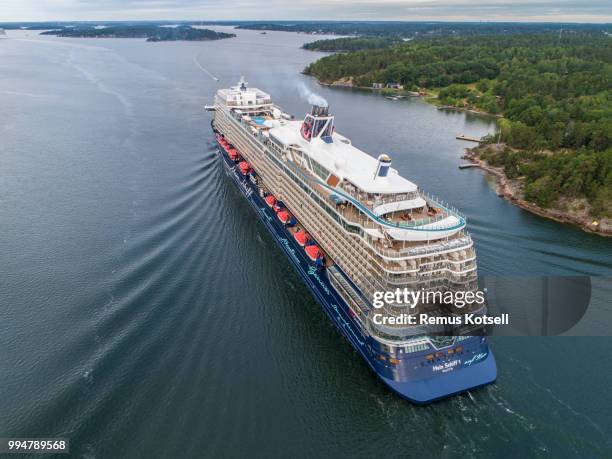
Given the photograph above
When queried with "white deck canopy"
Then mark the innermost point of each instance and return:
(344, 160)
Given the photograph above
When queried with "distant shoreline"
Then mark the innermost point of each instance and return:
(152, 33)
(427, 96)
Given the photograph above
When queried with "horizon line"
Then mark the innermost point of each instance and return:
(234, 21)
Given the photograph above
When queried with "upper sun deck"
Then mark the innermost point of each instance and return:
(241, 96)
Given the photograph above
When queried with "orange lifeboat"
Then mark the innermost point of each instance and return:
(270, 200)
(313, 252)
(301, 237)
(284, 216)
(233, 154)
(244, 167)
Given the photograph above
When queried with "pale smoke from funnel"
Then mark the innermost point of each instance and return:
(311, 97)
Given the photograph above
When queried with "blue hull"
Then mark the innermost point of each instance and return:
(410, 375)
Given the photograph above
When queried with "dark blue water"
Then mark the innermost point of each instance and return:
(144, 312)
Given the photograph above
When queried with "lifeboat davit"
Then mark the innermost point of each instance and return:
(301, 237)
(244, 167)
(313, 252)
(270, 200)
(284, 216)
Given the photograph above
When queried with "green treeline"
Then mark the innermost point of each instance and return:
(410, 29)
(350, 44)
(555, 93)
(150, 32)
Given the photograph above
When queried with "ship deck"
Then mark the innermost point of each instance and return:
(413, 217)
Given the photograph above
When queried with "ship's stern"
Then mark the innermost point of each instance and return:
(431, 376)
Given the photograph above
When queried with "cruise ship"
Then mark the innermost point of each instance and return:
(352, 226)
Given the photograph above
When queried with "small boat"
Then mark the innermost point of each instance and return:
(233, 154)
(301, 237)
(270, 200)
(284, 216)
(244, 167)
(313, 252)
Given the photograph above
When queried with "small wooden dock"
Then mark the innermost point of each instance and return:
(467, 138)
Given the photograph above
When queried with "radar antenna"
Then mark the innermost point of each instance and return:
(243, 83)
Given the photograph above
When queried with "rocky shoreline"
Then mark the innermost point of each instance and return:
(512, 191)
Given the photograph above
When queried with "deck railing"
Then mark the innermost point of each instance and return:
(440, 246)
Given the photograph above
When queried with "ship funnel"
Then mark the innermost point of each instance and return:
(384, 164)
(320, 110)
(318, 124)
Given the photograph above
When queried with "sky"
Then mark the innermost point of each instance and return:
(409, 10)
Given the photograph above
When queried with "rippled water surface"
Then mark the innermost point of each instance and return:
(144, 311)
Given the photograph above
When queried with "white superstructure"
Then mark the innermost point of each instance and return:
(376, 225)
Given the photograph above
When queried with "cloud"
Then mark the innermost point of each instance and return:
(454, 10)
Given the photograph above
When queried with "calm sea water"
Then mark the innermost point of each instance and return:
(144, 312)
